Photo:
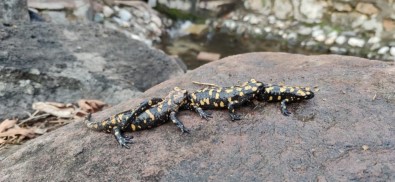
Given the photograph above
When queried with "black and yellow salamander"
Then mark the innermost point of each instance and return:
(147, 115)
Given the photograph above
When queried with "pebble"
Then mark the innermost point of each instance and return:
(99, 17)
(107, 11)
(124, 15)
(257, 31)
(383, 50)
(272, 19)
(341, 40)
(319, 35)
(120, 22)
(254, 20)
(392, 51)
(331, 38)
(267, 29)
(374, 40)
(338, 50)
(304, 30)
(356, 42)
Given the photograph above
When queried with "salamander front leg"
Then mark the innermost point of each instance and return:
(232, 113)
(123, 141)
(178, 122)
(284, 109)
(202, 114)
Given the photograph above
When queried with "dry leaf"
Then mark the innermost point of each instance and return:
(56, 109)
(22, 132)
(91, 106)
(6, 124)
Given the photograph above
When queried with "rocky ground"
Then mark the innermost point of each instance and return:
(65, 63)
(345, 133)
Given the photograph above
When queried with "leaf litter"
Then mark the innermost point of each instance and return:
(47, 116)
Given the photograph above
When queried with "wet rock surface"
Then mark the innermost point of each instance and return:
(345, 133)
(46, 62)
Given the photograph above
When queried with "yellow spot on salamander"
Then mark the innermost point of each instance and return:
(150, 102)
(307, 88)
(229, 90)
(258, 84)
(254, 88)
(219, 90)
(202, 102)
(247, 87)
(145, 121)
(269, 89)
(120, 117)
(241, 93)
(159, 109)
(270, 98)
(139, 126)
(194, 96)
(95, 126)
(215, 104)
(282, 89)
(210, 93)
(291, 89)
(150, 114)
(253, 80)
(301, 93)
(133, 127)
(207, 100)
(279, 97)
(169, 102)
(113, 120)
(222, 104)
(103, 123)
(217, 96)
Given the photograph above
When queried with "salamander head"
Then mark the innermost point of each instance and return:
(177, 97)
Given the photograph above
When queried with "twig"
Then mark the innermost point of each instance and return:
(34, 117)
(209, 84)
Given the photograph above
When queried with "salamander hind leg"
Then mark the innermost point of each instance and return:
(284, 109)
(178, 123)
(122, 140)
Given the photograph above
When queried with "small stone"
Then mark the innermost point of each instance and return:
(371, 24)
(280, 24)
(338, 50)
(292, 36)
(392, 51)
(99, 18)
(374, 40)
(254, 20)
(246, 18)
(282, 9)
(257, 31)
(366, 8)
(34, 71)
(272, 19)
(360, 20)
(356, 42)
(383, 50)
(107, 11)
(267, 29)
(156, 20)
(120, 22)
(320, 38)
(388, 24)
(342, 6)
(304, 30)
(331, 38)
(365, 147)
(341, 40)
(124, 15)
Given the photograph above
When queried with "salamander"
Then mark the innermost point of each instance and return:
(224, 97)
(285, 95)
(148, 114)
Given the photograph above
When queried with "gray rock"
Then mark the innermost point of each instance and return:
(282, 9)
(383, 50)
(304, 30)
(124, 15)
(356, 42)
(341, 40)
(99, 17)
(338, 50)
(107, 11)
(392, 51)
(57, 17)
(313, 10)
(344, 133)
(13, 11)
(44, 64)
(374, 40)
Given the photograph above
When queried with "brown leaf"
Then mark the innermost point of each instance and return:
(23, 132)
(56, 109)
(6, 124)
(91, 105)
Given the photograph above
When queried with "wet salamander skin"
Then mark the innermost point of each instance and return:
(147, 115)
(224, 97)
(285, 94)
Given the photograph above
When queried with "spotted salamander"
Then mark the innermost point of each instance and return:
(285, 95)
(224, 97)
(148, 114)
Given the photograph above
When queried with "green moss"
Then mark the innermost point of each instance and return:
(176, 14)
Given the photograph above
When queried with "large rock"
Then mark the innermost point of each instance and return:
(46, 62)
(345, 133)
(12, 11)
